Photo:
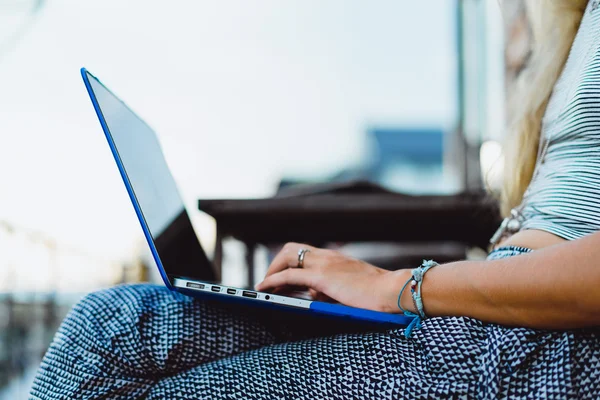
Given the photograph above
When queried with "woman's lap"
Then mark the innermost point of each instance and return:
(128, 337)
(372, 365)
(447, 358)
(134, 341)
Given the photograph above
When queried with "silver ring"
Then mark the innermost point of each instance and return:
(301, 254)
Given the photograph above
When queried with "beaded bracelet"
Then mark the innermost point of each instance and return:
(416, 281)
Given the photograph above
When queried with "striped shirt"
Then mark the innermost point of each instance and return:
(564, 196)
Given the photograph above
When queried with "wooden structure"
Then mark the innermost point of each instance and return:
(320, 218)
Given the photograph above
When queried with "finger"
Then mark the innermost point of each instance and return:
(288, 257)
(315, 295)
(288, 277)
(290, 291)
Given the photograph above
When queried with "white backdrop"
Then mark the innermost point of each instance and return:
(241, 93)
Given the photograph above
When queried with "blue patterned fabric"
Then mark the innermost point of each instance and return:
(143, 341)
(507, 251)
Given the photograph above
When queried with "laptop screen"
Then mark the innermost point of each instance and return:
(154, 188)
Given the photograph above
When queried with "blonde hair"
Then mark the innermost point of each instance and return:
(554, 24)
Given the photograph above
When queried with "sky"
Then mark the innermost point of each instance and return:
(241, 94)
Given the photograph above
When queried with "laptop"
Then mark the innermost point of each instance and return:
(180, 259)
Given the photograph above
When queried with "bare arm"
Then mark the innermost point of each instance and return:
(555, 287)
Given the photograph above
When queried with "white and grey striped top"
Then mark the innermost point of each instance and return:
(564, 196)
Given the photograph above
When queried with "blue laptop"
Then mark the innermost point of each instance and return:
(181, 261)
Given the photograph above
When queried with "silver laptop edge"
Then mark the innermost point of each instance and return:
(213, 288)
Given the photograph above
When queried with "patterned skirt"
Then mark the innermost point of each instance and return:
(144, 341)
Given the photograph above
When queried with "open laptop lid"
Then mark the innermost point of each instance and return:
(151, 187)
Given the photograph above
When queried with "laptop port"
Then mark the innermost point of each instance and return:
(231, 291)
(216, 289)
(246, 293)
(195, 285)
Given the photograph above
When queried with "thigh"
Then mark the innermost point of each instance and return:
(344, 367)
(519, 363)
(447, 358)
(378, 365)
(125, 339)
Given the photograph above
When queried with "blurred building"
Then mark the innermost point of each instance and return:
(418, 160)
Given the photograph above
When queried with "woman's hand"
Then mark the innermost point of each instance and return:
(330, 274)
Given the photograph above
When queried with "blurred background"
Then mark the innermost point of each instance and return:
(246, 97)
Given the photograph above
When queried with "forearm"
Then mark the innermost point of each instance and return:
(555, 287)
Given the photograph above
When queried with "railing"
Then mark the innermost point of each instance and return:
(28, 325)
(40, 279)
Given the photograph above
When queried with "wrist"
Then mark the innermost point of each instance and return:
(393, 285)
